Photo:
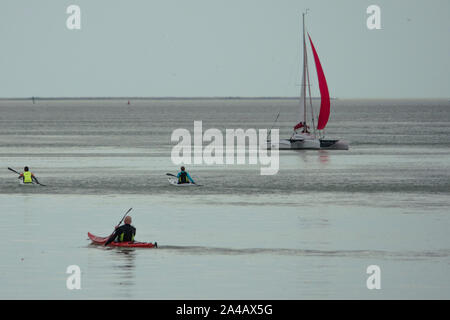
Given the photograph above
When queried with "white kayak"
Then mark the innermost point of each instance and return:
(174, 182)
(27, 184)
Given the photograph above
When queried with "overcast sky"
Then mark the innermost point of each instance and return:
(247, 48)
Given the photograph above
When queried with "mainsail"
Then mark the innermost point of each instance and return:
(324, 94)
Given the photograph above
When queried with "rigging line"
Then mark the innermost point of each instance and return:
(273, 124)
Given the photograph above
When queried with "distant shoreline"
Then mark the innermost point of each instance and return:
(196, 98)
(158, 98)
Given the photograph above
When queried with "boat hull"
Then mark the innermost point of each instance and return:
(26, 183)
(329, 144)
(174, 182)
(287, 144)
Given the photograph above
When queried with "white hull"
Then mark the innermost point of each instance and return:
(174, 182)
(26, 184)
(286, 144)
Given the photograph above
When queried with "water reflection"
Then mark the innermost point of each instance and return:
(324, 156)
(303, 155)
(125, 264)
(307, 155)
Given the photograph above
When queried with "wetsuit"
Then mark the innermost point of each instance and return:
(184, 177)
(123, 233)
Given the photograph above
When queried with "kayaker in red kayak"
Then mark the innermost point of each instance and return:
(124, 233)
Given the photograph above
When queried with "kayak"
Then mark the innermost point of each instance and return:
(27, 183)
(174, 182)
(134, 244)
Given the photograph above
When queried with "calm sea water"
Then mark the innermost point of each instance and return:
(308, 232)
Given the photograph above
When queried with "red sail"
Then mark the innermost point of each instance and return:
(324, 94)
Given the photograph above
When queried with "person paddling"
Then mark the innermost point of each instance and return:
(123, 233)
(27, 176)
(184, 177)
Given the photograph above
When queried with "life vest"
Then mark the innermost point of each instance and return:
(183, 177)
(126, 237)
(127, 234)
(27, 177)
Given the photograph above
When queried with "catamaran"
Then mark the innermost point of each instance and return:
(302, 137)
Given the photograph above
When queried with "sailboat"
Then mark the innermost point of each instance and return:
(302, 137)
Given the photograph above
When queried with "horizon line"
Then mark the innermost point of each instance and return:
(148, 98)
(209, 98)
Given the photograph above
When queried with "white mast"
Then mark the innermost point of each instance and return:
(303, 94)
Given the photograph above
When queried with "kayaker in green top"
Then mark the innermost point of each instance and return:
(123, 233)
(184, 177)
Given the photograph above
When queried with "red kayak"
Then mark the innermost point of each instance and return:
(134, 244)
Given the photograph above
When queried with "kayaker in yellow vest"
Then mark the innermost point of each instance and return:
(27, 176)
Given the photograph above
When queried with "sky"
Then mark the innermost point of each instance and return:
(218, 48)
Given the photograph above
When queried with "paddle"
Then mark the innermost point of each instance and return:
(35, 179)
(13, 170)
(124, 216)
(119, 223)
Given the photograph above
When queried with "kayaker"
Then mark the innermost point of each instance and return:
(184, 177)
(27, 176)
(123, 233)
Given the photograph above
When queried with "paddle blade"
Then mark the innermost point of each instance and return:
(125, 216)
(13, 170)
